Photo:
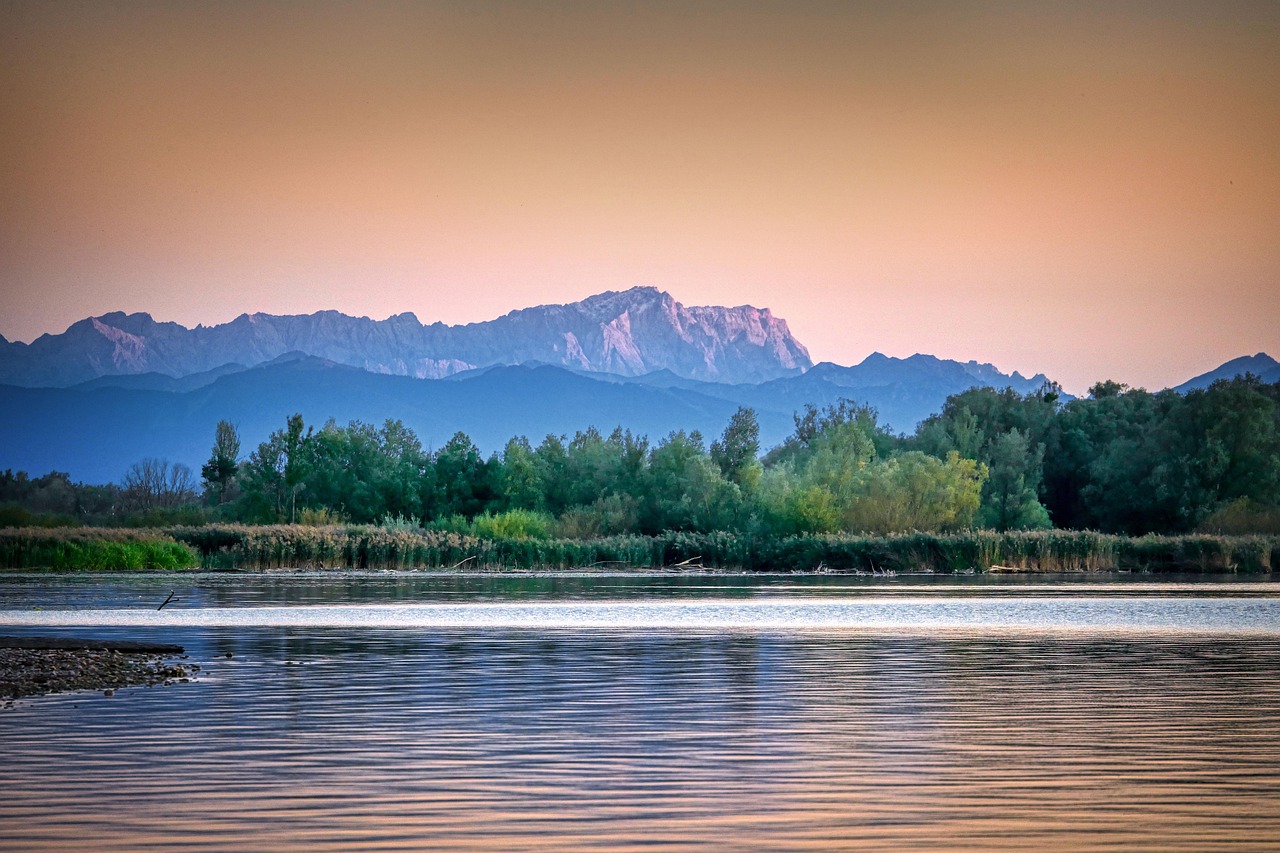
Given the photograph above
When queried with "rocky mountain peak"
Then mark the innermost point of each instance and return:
(629, 332)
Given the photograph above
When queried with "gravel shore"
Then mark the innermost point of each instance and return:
(37, 671)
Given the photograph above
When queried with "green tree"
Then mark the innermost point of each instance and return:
(736, 450)
(519, 481)
(916, 491)
(820, 474)
(632, 452)
(551, 464)
(685, 489)
(592, 467)
(402, 464)
(363, 473)
(275, 471)
(295, 461)
(1240, 421)
(462, 480)
(1010, 500)
(813, 422)
(837, 459)
(1107, 388)
(960, 432)
(220, 471)
(789, 506)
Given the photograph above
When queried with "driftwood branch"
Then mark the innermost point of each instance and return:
(77, 643)
(172, 597)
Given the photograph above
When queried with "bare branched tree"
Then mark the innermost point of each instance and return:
(158, 484)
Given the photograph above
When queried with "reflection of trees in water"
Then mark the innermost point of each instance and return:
(348, 588)
(913, 711)
(489, 681)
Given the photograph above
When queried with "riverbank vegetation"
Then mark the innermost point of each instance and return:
(93, 549)
(1122, 461)
(370, 547)
(267, 547)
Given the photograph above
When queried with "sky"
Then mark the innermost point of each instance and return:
(1089, 190)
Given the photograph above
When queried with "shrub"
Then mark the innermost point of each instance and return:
(1242, 517)
(322, 517)
(513, 524)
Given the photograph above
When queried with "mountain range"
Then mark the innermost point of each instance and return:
(627, 333)
(120, 387)
(1261, 365)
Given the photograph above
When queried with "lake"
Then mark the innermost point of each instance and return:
(395, 711)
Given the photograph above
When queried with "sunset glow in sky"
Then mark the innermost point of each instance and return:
(1091, 190)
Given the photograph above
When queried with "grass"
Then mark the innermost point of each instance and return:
(93, 549)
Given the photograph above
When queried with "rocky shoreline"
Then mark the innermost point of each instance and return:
(34, 666)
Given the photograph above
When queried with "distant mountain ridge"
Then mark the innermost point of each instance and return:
(1261, 365)
(95, 433)
(628, 333)
(96, 429)
(117, 388)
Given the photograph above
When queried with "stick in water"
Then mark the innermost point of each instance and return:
(167, 600)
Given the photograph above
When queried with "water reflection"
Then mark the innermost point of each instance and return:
(342, 587)
(318, 739)
(1136, 735)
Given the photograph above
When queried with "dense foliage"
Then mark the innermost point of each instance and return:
(840, 472)
(1120, 461)
(1124, 461)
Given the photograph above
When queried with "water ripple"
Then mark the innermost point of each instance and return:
(346, 731)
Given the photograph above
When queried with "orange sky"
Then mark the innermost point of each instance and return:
(1086, 189)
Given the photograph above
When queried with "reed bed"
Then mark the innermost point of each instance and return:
(93, 549)
(252, 547)
(241, 546)
(365, 547)
(1038, 551)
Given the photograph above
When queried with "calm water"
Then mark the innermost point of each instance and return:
(405, 711)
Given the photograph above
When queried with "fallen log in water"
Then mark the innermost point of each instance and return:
(79, 643)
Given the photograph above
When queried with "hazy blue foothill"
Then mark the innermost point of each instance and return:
(96, 429)
(1261, 365)
(114, 389)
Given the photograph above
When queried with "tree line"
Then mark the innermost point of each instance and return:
(1121, 460)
